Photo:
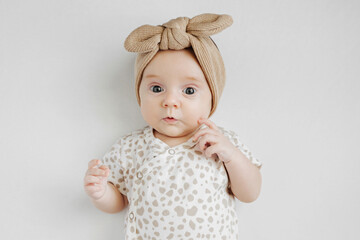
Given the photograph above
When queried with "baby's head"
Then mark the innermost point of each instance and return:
(174, 93)
(179, 70)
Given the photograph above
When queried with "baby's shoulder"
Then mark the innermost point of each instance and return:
(133, 137)
(231, 135)
(228, 133)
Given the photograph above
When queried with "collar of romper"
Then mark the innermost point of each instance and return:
(158, 146)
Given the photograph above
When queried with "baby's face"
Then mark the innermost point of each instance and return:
(174, 86)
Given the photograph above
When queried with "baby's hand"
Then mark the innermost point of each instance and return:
(213, 142)
(95, 181)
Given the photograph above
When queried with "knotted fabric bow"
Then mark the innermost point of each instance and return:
(178, 34)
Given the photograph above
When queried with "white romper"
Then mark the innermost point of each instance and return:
(173, 192)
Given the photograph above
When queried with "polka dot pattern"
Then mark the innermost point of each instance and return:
(173, 192)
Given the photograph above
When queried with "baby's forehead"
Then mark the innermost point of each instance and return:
(187, 77)
(179, 65)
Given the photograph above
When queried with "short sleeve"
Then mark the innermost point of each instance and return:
(115, 162)
(235, 139)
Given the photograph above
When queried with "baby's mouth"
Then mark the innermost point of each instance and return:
(170, 120)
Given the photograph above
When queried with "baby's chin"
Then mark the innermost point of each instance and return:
(176, 132)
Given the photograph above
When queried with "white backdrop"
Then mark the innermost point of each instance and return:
(292, 93)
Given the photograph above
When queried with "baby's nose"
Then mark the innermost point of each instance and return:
(171, 100)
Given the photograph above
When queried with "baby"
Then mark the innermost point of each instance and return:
(178, 175)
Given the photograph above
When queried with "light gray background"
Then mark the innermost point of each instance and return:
(292, 94)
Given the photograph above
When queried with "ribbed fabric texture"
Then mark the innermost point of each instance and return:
(181, 33)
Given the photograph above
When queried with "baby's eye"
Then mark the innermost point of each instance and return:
(156, 89)
(189, 91)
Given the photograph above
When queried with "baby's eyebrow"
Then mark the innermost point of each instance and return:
(151, 76)
(192, 78)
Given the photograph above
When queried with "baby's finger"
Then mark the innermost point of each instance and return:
(104, 167)
(93, 188)
(206, 142)
(100, 164)
(210, 151)
(91, 180)
(93, 163)
(96, 172)
(202, 132)
(208, 123)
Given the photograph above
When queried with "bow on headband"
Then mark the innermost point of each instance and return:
(178, 34)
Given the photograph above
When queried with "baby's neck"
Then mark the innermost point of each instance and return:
(172, 141)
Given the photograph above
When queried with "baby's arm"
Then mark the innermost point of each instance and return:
(245, 177)
(104, 195)
(112, 201)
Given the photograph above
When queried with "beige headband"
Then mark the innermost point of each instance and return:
(181, 33)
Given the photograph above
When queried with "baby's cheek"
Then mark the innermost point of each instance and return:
(199, 111)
